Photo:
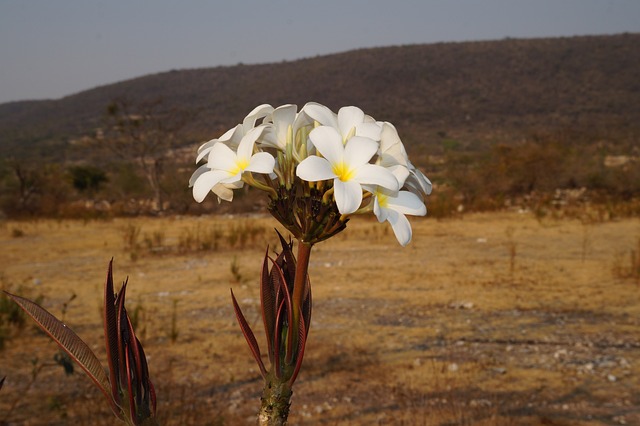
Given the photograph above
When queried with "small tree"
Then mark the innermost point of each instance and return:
(144, 134)
(87, 178)
(33, 189)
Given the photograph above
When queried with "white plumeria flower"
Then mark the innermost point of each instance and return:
(417, 182)
(348, 166)
(226, 166)
(233, 136)
(393, 208)
(285, 122)
(350, 121)
(224, 191)
(392, 152)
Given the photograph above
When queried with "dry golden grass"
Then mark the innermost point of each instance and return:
(493, 319)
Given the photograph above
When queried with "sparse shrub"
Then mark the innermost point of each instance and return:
(210, 239)
(235, 271)
(512, 248)
(243, 233)
(198, 239)
(174, 332)
(130, 236)
(17, 233)
(87, 178)
(626, 265)
(442, 203)
(12, 318)
(155, 242)
(137, 318)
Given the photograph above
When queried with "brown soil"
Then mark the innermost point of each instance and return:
(493, 319)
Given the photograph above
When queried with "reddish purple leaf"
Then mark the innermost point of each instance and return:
(249, 336)
(70, 343)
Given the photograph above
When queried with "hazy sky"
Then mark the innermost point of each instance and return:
(49, 49)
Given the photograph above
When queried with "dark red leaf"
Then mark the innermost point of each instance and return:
(287, 300)
(302, 341)
(249, 336)
(111, 334)
(277, 340)
(268, 303)
(69, 341)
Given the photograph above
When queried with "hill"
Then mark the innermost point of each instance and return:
(473, 91)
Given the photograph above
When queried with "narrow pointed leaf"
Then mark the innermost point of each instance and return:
(123, 338)
(69, 342)
(268, 303)
(289, 259)
(152, 395)
(306, 307)
(287, 300)
(302, 341)
(130, 391)
(275, 283)
(249, 336)
(136, 364)
(277, 341)
(111, 333)
(149, 399)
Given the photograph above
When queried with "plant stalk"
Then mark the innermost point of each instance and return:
(275, 402)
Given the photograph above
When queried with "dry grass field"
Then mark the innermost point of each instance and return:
(489, 319)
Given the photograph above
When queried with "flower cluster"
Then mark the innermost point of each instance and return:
(318, 167)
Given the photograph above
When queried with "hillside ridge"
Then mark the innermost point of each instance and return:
(485, 90)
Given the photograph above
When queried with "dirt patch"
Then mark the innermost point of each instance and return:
(493, 319)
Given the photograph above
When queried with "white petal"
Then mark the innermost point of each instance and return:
(283, 117)
(328, 142)
(321, 114)
(231, 179)
(205, 150)
(221, 157)
(257, 113)
(381, 213)
(223, 191)
(205, 182)
(348, 195)
(400, 172)
(232, 137)
(392, 156)
(358, 151)
(388, 136)
(245, 149)
(268, 137)
(348, 118)
(207, 144)
(302, 119)
(392, 150)
(369, 130)
(199, 171)
(401, 227)
(314, 169)
(376, 175)
(407, 203)
(423, 182)
(261, 162)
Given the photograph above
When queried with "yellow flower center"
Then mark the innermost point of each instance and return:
(241, 164)
(383, 199)
(343, 172)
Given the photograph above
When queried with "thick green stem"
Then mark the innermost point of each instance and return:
(276, 397)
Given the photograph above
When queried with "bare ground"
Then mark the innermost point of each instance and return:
(493, 319)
